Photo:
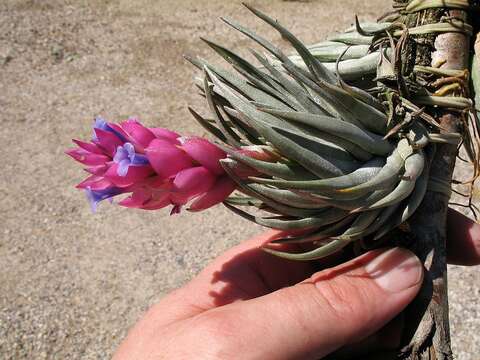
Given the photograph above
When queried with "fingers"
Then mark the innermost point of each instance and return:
(331, 309)
(243, 272)
(246, 271)
(234, 275)
(463, 239)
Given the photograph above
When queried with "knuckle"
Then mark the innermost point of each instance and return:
(346, 300)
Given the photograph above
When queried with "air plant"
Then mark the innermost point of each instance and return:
(353, 163)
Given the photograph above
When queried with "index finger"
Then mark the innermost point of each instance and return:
(242, 272)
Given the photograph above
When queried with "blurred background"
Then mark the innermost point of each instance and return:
(73, 282)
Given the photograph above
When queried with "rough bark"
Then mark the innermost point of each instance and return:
(427, 335)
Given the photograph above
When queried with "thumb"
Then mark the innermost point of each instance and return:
(333, 308)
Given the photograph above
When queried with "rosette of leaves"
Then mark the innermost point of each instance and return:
(348, 161)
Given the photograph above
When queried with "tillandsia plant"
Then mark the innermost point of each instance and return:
(340, 143)
(351, 162)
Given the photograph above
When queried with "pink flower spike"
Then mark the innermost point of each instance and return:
(107, 141)
(117, 130)
(193, 181)
(90, 147)
(138, 134)
(222, 188)
(205, 153)
(98, 170)
(133, 175)
(144, 198)
(137, 199)
(165, 134)
(129, 202)
(94, 182)
(156, 204)
(154, 167)
(166, 158)
(86, 157)
(157, 183)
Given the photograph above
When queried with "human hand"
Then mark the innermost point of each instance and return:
(250, 305)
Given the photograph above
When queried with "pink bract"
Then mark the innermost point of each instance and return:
(155, 166)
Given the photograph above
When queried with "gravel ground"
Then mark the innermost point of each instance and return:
(72, 283)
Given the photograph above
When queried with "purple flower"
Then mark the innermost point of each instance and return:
(101, 124)
(95, 196)
(125, 156)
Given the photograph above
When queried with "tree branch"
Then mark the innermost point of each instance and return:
(427, 334)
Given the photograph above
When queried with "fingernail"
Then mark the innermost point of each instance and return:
(395, 270)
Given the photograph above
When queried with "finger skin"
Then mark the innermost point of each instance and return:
(330, 309)
(307, 321)
(241, 273)
(463, 244)
(240, 264)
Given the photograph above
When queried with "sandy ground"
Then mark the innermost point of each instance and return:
(72, 283)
